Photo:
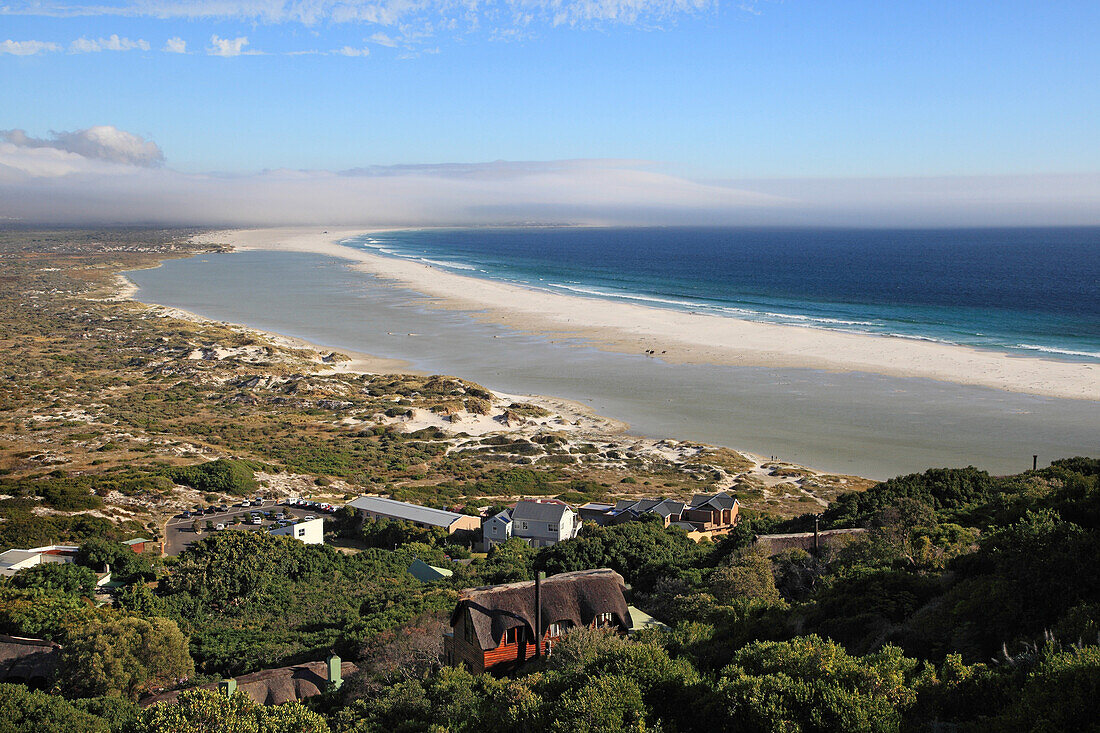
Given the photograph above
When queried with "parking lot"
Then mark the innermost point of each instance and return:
(179, 532)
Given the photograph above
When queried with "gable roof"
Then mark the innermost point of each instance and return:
(406, 511)
(539, 511)
(504, 516)
(577, 597)
(721, 500)
(668, 507)
(426, 573)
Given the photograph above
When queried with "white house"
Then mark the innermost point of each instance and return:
(12, 561)
(539, 523)
(311, 532)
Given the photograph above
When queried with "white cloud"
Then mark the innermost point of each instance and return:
(103, 142)
(349, 51)
(383, 40)
(27, 48)
(114, 43)
(227, 46)
(175, 45)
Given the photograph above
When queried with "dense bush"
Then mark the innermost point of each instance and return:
(223, 475)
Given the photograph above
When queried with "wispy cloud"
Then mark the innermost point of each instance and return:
(437, 16)
(383, 39)
(228, 46)
(349, 51)
(114, 43)
(27, 48)
(175, 45)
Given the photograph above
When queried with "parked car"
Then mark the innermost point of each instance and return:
(220, 527)
(309, 517)
(185, 515)
(246, 502)
(255, 520)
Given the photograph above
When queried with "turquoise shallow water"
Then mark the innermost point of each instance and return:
(854, 423)
(1025, 291)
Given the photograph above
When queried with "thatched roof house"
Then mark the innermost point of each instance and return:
(500, 623)
(31, 661)
(274, 686)
(773, 544)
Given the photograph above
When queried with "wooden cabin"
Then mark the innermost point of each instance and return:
(496, 627)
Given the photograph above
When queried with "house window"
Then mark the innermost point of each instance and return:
(525, 525)
(551, 528)
(560, 628)
(301, 533)
(603, 619)
(510, 635)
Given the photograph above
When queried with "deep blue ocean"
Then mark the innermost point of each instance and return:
(1027, 291)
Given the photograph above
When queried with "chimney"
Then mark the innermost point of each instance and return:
(228, 687)
(335, 677)
(538, 613)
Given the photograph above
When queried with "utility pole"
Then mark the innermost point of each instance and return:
(538, 613)
(1035, 463)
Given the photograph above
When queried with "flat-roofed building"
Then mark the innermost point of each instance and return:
(377, 507)
(311, 532)
(12, 561)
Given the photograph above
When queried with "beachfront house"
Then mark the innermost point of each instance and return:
(669, 510)
(376, 507)
(706, 514)
(502, 626)
(714, 513)
(539, 523)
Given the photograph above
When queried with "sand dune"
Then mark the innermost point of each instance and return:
(679, 337)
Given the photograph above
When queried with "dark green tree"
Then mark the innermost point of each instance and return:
(63, 577)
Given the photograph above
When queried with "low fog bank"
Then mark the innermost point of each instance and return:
(107, 176)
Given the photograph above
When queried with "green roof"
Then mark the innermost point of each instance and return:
(643, 620)
(426, 573)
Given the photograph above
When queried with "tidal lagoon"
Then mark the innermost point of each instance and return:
(855, 422)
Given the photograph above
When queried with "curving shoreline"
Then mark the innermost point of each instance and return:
(688, 338)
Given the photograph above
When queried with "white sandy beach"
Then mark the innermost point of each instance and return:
(679, 337)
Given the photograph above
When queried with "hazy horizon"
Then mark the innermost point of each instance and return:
(388, 112)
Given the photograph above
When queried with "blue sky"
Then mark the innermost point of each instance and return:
(705, 91)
